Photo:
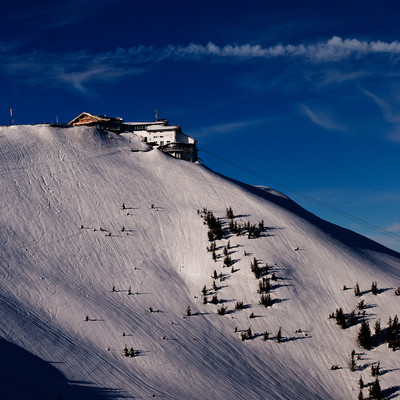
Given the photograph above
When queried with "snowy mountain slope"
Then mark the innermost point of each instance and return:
(54, 274)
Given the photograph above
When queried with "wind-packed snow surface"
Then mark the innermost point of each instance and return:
(54, 274)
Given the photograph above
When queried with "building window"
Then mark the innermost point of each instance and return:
(162, 143)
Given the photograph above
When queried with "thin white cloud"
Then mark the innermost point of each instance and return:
(390, 114)
(80, 68)
(228, 128)
(333, 50)
(322, 118)
(395, 227)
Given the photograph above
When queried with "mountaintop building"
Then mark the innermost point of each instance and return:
(168, 138)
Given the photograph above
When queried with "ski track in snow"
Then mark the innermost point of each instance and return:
(53, 274)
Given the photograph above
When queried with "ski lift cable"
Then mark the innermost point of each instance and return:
(303, 195)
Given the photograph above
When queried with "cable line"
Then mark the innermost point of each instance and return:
(303, 195)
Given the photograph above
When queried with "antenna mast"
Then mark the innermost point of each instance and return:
(156, 113)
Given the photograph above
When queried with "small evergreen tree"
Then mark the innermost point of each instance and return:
(375, 392)
(397, 291)
(252, 315)
(279, 335)
(375, 369)
(227, 261)
(374, 288)
(360, 395)
(392, 332)
(364, 336)
(214, 285)
(214, 275)
(266, 335)
(222, 310)
(205, 300)
(266, 300)
(229, 213)
(188, 311)
(341, 318)
(249, 333)
(352, 362)
(214, 299)
(225, 251)
(204, 290)
(361, 305)
(361, 383)
(352, 318)
(357, 291)
(239, 305)
(377, 327)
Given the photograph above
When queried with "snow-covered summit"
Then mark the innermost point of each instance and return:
(103, 248)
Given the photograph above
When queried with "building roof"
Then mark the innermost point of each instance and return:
(86, 118)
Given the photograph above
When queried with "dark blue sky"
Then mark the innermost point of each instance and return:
(305, 93)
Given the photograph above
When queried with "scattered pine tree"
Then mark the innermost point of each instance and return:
(279, 336)
(375, 392)
(249, 333)
(352, 318)
(266, 300)
(341, 318)
(188, 311)
(361, 305)
(392, 333)
(229, 213)
(357, 291)
(214, 299)
(222, 310)
(375, 369)
(352, 362)
(374, 288)
(239, 305)
(364, 336)
(361, 383)
(227, 261)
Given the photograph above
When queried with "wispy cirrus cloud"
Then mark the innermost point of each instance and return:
(395, 227)
(83, 68)
(389, 112)
(229, 128)
(322, 118)
(333, 50)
